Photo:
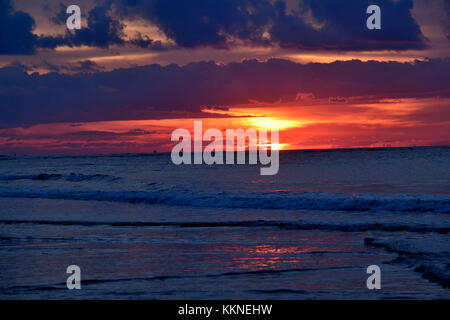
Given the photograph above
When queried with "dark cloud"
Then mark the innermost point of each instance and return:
(217, 108)
(85, 66)
(93, 135)
(154, 91)
(343, 26)
(326, 24)
(446, 22)
(102, 30)
(201, 22)
(21, 66)
(337, 100)
(16, 32)
(16, 28)
(78, 67)
(144, 41)
(60, 16)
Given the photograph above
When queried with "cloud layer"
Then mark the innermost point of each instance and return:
(295, 24)
(103, 30)
(154, 91)
(306, 24)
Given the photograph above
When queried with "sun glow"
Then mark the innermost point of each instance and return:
(272, 123)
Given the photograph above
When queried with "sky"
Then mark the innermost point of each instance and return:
(137, 70)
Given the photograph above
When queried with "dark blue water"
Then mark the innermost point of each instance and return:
(140, 227)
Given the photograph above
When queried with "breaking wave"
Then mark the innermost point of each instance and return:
(284, 225)
(73, 177)
(271, 200)
(429, 256)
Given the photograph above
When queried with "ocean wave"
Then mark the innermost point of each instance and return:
(73, 177)
(273, 200)
(40, 177)
(284, 225)
(86, 282)
(438, 273)
(430, 256)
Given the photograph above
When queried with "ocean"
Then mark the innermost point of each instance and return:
(140, 227)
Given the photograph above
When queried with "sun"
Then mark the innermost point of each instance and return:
(272, 123)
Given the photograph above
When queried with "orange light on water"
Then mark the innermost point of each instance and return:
(272, 146)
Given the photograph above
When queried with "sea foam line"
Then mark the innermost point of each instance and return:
(274, 200)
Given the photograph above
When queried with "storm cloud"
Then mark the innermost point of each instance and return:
(16, 28)
(155, 91)
(305, 24)
(103, 30)
(294, 24)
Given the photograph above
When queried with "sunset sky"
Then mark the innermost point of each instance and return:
(137, 70)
